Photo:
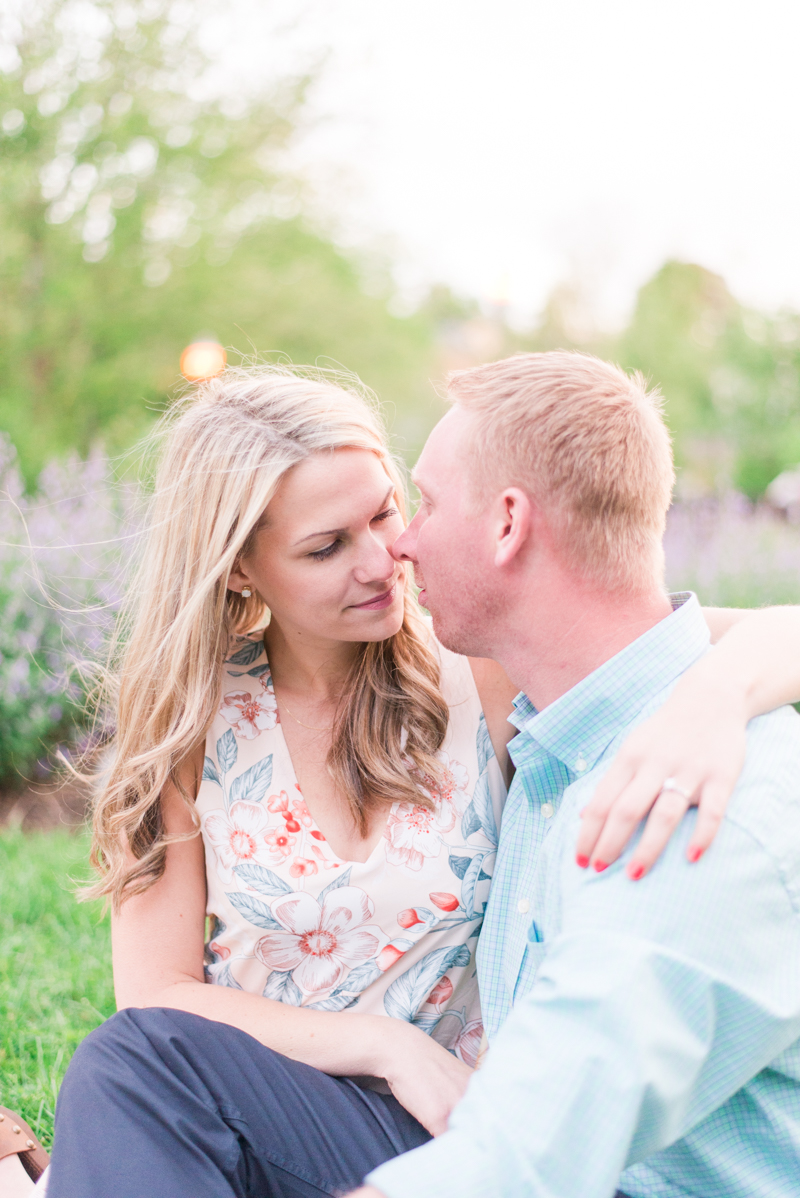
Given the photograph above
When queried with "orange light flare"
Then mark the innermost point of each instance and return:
(203, 360)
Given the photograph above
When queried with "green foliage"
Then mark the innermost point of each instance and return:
(55, 969)
(729, 375)
(138, 214)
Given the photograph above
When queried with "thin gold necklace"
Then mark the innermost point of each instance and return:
(310, 727)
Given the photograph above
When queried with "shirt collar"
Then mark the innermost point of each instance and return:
(580, 725)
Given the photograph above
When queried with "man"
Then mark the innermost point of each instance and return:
(642, 1037)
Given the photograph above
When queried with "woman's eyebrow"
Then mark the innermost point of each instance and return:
(330, 532)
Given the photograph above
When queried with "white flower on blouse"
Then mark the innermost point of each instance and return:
(237, 837)
(452, 789)
(321, 943)
(249, 714)
(414, 832)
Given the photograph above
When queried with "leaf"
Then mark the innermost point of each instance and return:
(353, 985)
(210, 772)
(469, 883)
(340, 880)
(256, 672)
(255, 912)
(252, 785)
(226, 978)
(483, 744)
(459, 865)
(470, 821)
(227, 751)
(484, 877)
(283, 988)
(426, 1021)
(482, 802)
(245, 656)
(263, 880)
(338, 1001)
(407, 994)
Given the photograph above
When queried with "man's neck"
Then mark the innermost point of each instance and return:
(558, 640)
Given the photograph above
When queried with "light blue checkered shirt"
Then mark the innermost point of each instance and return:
(653, 1043)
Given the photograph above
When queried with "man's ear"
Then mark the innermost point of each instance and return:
(514, 526)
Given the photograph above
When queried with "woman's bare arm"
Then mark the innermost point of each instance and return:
(697, 738)
(157, 946)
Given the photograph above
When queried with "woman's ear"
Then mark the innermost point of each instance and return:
(238, 579)
(514, 525)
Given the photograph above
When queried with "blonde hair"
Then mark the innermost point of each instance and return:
(228, 444)
(588, 443)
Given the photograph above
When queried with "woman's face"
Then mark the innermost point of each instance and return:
(321, 559)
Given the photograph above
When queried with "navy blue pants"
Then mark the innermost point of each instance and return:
(158, 1103)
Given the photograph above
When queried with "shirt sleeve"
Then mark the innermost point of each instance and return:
(654, 1004)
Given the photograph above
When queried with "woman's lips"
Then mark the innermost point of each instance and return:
(378, 603)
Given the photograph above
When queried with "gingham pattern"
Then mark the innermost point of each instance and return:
(655, 1022)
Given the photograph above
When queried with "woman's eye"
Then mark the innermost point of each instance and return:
(390, 511)
(319, 555)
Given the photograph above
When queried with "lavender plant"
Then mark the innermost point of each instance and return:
(732, 553)
(63, 553)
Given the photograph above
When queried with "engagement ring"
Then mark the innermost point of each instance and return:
(673, 784)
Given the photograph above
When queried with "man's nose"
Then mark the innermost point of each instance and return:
(405, 547)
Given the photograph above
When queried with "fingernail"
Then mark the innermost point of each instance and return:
(582, 861)
(694, 853)
(635, 871)
(600, 866)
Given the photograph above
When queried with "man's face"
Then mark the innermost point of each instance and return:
(449, 544)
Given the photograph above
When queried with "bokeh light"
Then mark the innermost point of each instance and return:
(202, 360)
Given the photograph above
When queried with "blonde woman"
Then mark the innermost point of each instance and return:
(280, 691)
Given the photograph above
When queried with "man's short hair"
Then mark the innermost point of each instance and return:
(588, 443)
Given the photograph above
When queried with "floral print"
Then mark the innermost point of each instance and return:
(394, 934)
(320, 942)
(249, 714)
(236, 836)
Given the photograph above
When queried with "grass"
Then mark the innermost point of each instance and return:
(55, 969)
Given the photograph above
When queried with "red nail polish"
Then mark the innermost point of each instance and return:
(600, 866)
(695, 854)
(582, 861)
(635, 871)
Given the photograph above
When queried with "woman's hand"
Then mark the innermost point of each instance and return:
(694, 743)
(424, 1077)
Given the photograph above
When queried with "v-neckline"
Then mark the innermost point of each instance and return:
(293, 778)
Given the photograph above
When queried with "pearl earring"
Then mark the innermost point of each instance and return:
(246, 592)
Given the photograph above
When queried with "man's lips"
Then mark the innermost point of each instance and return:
(379, 602)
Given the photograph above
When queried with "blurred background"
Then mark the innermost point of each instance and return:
(396, 190)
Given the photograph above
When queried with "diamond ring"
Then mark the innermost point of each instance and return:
(674, 785)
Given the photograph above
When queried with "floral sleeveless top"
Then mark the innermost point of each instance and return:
(394, 935)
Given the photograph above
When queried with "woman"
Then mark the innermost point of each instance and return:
(280, 689)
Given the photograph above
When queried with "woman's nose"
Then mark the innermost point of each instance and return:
(377, 564)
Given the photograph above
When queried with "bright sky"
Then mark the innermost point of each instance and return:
(504, 146)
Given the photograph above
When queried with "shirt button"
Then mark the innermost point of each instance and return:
(580, 764)
(523, 906)
(547, 810)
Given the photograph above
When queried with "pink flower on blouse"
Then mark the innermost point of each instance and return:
(301, 867)
(468, 1043)
(249, 715)
(237, 837)
(414, 833)
(321, 943)
(279, 844)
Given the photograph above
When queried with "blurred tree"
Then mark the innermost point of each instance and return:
(728, 375)
(137, 212)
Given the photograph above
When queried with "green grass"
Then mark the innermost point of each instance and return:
(55, 969)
